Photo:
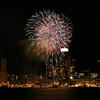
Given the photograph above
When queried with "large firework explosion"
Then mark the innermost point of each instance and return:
(48, 33)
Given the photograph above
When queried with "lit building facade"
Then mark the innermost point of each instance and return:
(51, 69)
(72, 69)
(59, 70)
(93, 75)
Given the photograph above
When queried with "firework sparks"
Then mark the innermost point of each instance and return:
(48, 33)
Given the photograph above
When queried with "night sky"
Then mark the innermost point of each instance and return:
(84, 14)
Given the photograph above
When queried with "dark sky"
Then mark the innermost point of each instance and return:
(84, 14)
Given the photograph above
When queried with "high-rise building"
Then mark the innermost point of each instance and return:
(72, 69)
(59, 70)
(3, 71)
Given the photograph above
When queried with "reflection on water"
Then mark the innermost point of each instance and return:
(50, 94)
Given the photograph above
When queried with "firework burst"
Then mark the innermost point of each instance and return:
(48, 32)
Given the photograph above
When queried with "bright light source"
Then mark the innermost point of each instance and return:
(64, 49)
(71, 77)
(98, 60)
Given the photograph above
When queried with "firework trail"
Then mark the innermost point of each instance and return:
(48, 32)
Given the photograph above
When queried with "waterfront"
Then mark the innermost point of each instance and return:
(50, 93)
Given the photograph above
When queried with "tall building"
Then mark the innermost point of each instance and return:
(64, 68)
(72, 69)
(59, 70)
(3, 71)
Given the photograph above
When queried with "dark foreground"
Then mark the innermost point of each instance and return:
(50, 94)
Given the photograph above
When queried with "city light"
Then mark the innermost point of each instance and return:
(64, 49)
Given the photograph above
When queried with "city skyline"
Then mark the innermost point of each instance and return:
(85, 42)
